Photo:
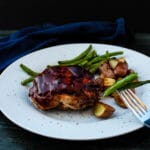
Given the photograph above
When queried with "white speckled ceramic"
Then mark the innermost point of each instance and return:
(69, 125)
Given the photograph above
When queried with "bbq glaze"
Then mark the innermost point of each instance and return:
(76, 83)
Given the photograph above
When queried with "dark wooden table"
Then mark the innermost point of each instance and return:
(13, 137)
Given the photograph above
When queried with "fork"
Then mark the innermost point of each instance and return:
(136, 106)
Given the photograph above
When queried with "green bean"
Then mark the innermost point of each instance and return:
(28, 80)
(94, 67)
(28, 70)
(134, 84)
(89, 56)
(120, 83)
(80, 56)
(83, 63)
(102, 57)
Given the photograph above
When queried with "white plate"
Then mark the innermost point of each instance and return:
(69, 125)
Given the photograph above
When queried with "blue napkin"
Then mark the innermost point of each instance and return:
(36, 37)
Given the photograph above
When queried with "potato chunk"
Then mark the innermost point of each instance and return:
(118, 100)
(109, 81)
(102, 110)
(113, 63)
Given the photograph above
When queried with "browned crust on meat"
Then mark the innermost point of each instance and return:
(64, 88)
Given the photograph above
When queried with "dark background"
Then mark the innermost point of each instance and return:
(16, 14)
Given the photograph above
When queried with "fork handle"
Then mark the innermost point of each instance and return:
(147, 123)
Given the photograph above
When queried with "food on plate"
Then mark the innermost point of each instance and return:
(102, 110)
(120, 83)
(28, 70)
(118, 100)
(82, 82)
(121, 69)
(113, 63)
(89, 59)
(114, 68)
(65, 87)
(106, 71)
(108, 81)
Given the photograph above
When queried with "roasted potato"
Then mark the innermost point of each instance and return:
(102, 110)
(109, 81)
(113, 63)
(118, 100)
(121, 69)
(122, 59)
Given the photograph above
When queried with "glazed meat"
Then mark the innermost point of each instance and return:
(64, 87)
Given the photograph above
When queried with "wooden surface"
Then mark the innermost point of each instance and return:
(16, 14)
(13, 137)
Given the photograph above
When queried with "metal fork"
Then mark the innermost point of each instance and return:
(136, 106)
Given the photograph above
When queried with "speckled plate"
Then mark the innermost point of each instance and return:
(68, 125)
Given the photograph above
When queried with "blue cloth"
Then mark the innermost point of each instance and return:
(36, 37)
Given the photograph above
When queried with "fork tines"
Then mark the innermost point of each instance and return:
(133, 102)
